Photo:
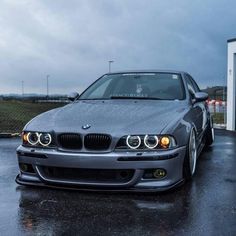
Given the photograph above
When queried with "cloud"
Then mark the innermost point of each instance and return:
(73, 40)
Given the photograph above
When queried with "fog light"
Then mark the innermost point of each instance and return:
(23, 167)
(159, 173)
(26, 168)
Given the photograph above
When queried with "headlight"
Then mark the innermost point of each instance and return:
(36, 139)
(32, 138)
(151, 141)
(45, 139)
(165, 142)
(133, 141)
(146, 142)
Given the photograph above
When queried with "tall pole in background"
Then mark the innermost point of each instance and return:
(48, 85)
(109, 62)
(22, 88)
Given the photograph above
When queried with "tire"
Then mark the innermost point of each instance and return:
(210, 134)
(190, 159)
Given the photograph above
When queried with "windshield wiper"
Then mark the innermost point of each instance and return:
(128, 97)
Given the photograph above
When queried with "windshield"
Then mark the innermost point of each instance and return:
(163, 86)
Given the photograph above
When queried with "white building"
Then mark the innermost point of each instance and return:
(231, 85)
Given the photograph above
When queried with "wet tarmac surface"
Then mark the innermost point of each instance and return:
(206, 206)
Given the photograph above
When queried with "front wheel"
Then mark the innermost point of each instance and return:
(190, 159)
(210, 134)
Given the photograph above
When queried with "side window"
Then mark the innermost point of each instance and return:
(195, 86)
(190, 86)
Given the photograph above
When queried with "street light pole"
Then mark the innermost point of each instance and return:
(110, 65)
(48, 85)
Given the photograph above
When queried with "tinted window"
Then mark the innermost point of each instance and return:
(164, 86)
(190, 86)
(195, 86)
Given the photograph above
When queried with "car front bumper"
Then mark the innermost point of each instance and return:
(169, 160)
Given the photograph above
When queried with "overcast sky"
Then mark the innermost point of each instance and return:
(72, 40)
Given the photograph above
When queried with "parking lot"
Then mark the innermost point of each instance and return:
(207, 206)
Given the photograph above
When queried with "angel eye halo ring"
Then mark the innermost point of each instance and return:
(45, 139)
(33, 138)
(151, 141)
(133, 141)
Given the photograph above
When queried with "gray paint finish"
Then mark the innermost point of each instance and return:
(118, 118)
(111, 116)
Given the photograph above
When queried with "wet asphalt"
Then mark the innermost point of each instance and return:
(206, 206)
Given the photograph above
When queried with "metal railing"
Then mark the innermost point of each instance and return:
(218, 110)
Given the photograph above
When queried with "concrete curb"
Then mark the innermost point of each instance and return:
(9, 135)
(219, 126)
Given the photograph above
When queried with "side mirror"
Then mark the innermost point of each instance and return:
(73, 96)
(200, 96)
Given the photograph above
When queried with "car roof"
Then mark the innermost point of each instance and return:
(147, 71)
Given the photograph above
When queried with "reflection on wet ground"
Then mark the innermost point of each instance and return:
(207, 206)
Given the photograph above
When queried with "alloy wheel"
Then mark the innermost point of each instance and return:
(192, 153)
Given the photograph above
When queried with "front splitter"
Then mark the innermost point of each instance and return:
(99, 189)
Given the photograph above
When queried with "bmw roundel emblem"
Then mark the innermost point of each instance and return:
(86, 126)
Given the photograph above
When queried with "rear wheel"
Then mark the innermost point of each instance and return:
(190, 159)
(210, 134)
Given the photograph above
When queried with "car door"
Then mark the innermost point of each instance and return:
(199, 113)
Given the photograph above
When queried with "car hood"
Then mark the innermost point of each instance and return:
(117, 117)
